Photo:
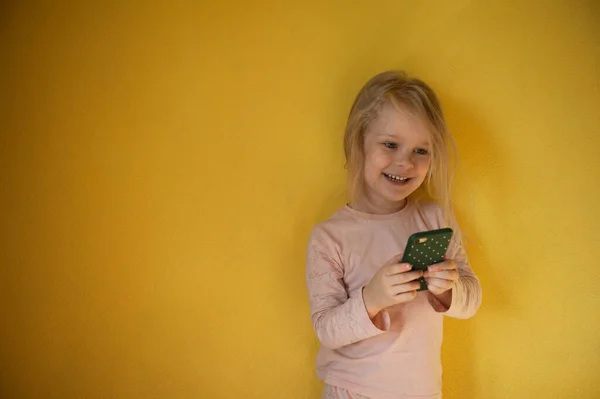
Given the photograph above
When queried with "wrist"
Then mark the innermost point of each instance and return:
(441, 302)
(371, 309)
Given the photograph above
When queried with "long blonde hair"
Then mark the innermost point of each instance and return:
(416, 97)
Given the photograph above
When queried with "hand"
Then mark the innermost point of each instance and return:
(392, 284)
(441, 277)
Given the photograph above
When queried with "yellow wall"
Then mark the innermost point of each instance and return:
(161, 166)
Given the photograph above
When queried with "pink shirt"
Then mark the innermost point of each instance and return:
(402, 358)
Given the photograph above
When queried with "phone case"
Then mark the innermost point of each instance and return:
(426, 248)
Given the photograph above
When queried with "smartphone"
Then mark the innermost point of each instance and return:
(426, 248)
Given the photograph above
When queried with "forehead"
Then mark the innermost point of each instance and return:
(399, 124)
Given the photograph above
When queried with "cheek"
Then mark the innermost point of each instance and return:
(378, 160)
(423, 163)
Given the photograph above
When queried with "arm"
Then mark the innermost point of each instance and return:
(339, 318)
(464, 299)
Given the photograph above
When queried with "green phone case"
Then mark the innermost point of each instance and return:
(426, 248)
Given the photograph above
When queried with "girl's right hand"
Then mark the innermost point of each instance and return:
(392, 284)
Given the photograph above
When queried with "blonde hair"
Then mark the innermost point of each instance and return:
(414, 96)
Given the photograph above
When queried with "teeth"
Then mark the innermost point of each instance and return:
(396, 178)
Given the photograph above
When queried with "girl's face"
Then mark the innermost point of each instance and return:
(397, 159)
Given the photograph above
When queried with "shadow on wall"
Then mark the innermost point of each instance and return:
(481, 165)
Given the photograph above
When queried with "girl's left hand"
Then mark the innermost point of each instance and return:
(441, 277)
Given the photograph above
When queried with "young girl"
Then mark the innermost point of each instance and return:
(380, 337)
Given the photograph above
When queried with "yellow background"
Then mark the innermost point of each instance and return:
(163, 163)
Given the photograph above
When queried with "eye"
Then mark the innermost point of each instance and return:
(421, 151)
(388, 144)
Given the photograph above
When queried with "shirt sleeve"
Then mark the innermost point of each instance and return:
(339, 317)
(466, 293)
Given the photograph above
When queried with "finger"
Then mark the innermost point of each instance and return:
(406, 287)
(444, 274)
(397, 268)
(435, 290)
(402, 278)
(405, 296)
(439, 283)
(445, 265)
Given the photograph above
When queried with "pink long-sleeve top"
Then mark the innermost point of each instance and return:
(398, 355)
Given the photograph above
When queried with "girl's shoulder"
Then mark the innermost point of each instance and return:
(327, 237)
(425, 215)
(333, 225)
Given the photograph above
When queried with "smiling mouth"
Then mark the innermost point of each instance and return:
(397, 179)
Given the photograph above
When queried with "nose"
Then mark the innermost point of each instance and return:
(404, 158)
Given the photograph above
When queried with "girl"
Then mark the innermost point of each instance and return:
(380, 338)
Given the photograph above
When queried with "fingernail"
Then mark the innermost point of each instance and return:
(407, 266)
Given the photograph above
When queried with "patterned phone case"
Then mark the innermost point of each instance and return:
(426, 248)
